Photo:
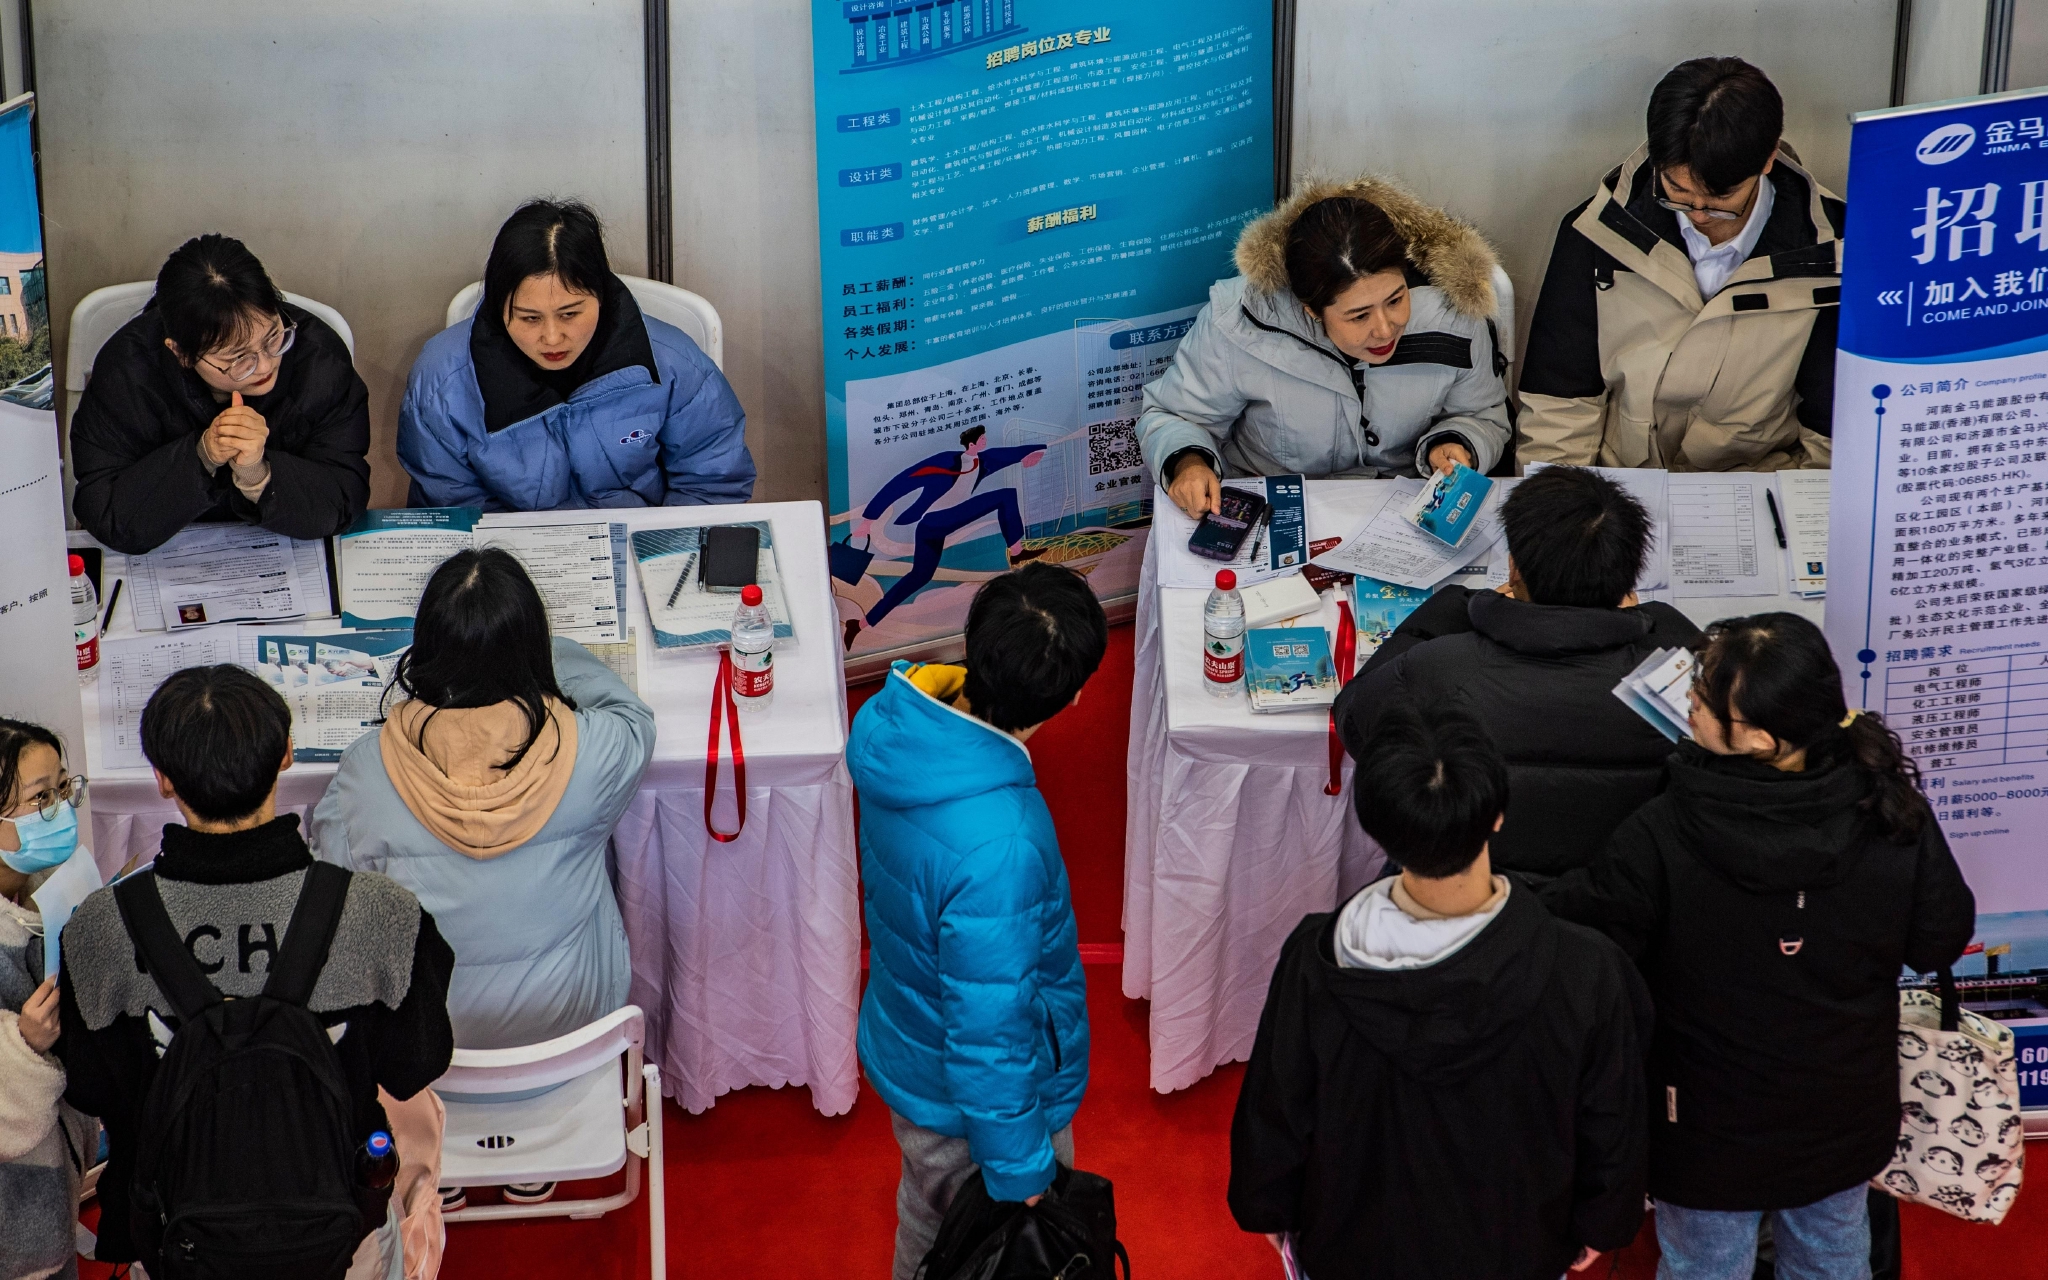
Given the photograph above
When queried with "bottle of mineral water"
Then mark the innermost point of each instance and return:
(1223, 638)
(85, 621)
(753, 652)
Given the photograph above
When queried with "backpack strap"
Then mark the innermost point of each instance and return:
(170, 963)
(309, 935)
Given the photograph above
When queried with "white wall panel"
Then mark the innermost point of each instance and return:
(366, 152)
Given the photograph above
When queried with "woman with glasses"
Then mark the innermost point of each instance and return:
(1688, 316)
(220, 403)
(45, 1146)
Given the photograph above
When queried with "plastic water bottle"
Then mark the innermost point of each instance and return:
(753, 653)
(1223, 638)
(377, 1161)
(85, 621)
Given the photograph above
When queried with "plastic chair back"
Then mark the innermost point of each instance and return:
(690, 312)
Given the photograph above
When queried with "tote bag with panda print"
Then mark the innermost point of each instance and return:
(1960, 1139)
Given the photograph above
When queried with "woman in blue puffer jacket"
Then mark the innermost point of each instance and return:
(559, 394)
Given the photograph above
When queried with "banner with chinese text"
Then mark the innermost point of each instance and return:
(1938, 556)
(1022, 204)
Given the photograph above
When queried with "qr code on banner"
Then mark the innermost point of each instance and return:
(1113, 446)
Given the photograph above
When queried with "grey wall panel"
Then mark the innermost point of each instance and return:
(746, 213)
(1507, 111)
(366, 152)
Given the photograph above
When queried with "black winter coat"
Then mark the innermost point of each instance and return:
(1541, 679)
(135, 441)
(1480, 1117)
(1771, 917)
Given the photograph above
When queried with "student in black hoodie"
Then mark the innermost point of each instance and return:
(1446, 1080)
(1771, 896)
(1537, 662)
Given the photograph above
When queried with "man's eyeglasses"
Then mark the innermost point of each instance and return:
(69, 791)
(245, 365)
(1716, 215)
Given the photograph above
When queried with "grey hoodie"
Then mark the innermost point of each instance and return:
(1257, 384)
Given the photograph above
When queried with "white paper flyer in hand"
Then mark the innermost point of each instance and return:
(75, 878)
(1388, 547)
(334, 684)
(1657, 691)
(1719, 527)
(1803, 498)
(213, 573)
(682, 613)
(131, 667)
(383, 560)
(579, 571)
(1650, 486)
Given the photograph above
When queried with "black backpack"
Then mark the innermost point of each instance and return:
(245, 1165)
(1068, 1235)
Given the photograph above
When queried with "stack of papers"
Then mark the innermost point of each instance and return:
(1720, 527)
(1657, 691)
(1803, 506)
(335, 684)
(1389, 547)
(214, 573)
(1289, 668)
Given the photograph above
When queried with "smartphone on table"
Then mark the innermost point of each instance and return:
(1221, 534)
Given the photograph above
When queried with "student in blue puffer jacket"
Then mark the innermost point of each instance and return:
(974, 1027)
(559, 394)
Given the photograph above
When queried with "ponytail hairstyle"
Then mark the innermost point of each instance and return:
(1337, 241)
(1774, 672)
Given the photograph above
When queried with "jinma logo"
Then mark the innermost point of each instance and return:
(1947, 143)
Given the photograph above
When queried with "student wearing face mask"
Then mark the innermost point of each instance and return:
(220, 402)
(1356, 340)
(45, 1146)
(559, 393)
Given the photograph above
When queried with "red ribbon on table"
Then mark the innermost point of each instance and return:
(721, 696)
(1347, 655)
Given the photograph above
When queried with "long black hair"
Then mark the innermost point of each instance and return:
(1775, 672)
(560, 238)
(17, 736)
(481, 638)
(207, 291)
(1336, 241)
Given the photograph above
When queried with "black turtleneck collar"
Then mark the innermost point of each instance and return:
(515, 388)
(239, 857)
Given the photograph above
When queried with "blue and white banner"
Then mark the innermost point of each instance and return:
(1938, 579)
(1021, 205)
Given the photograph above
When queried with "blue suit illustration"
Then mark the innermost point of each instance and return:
(932, 479)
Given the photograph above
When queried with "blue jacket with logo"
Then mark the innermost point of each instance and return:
(626, 438)
(975, 1019)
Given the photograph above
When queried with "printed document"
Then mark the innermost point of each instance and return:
(334, 683)
(131, 667)
(1389, 547)
(574, 569)
(1718, 530)
(1803, 503)
(212, 573)
(383, 561)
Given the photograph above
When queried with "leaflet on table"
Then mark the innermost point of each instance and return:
(383, 560)
(214, 573)
(579, 569)
(1719, 529)
(1656, 690)
(1388, 547)
(1377, 608)
(131, 667)
(1289, 668)
(682, 613)
(1803, 506)
(334, 683)
(1650, 486)
(1255, 561)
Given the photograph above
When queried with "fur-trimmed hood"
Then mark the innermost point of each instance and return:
(1454, 256)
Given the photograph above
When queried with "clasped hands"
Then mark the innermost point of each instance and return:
(237, 435)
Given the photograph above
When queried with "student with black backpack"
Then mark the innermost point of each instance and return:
(231, 1013)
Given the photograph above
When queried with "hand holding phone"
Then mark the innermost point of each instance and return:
(1221, 534)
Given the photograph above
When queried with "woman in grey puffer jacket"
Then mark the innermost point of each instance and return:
(1358, 340)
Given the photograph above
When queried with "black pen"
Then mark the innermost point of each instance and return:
(113, 598)
(691, 563)
(1777, 525)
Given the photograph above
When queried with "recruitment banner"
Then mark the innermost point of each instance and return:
(1022, 204)
(1938, 558)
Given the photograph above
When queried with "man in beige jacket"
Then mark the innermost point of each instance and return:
(1688, 316)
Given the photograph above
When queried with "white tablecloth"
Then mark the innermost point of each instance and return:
(1229, 839)
(746, 956)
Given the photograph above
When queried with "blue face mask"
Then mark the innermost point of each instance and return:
(45, 842)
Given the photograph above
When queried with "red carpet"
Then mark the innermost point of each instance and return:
(762, 1185)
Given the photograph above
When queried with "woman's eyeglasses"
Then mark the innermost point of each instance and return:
(246, 364)
(69, 791)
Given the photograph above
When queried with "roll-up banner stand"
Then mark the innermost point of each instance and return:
(1022, 205)
(1938, 582)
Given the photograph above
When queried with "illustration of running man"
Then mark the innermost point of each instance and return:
(954, 477)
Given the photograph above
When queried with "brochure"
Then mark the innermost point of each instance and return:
(1378, 607)
(1449, 504)
(1289, 668)
(335, 684)
(1286, 522)
(1657, 691)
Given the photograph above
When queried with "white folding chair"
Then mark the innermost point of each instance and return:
(1504, 311)
(101, 313)
(690, 312)
(584, 1126)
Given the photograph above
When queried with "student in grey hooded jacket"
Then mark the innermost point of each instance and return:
(491, 792)
(1356, 340)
